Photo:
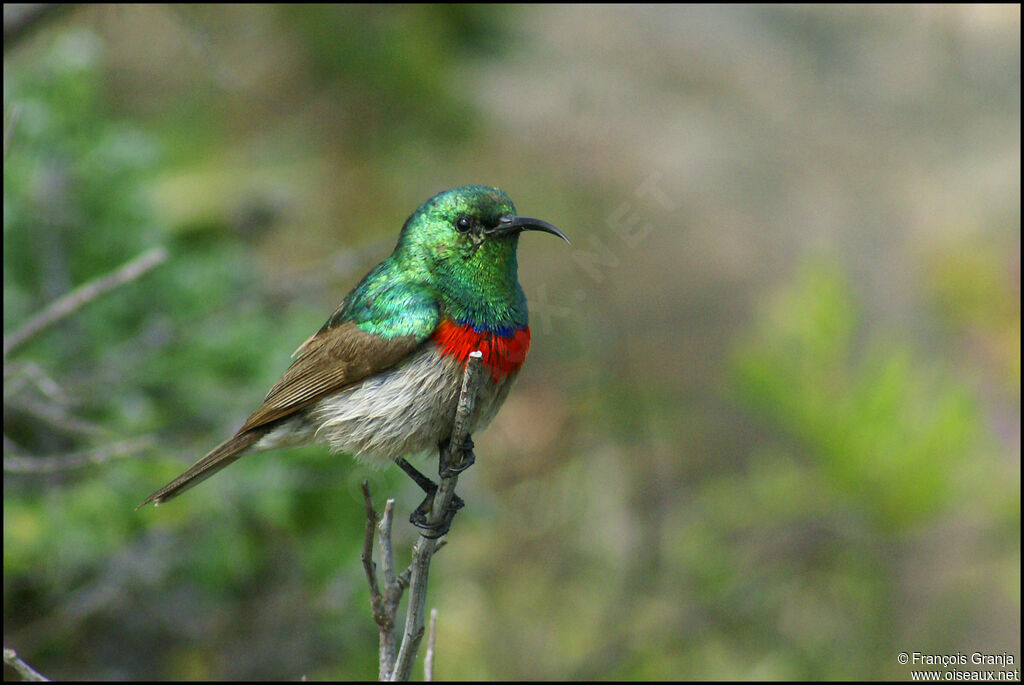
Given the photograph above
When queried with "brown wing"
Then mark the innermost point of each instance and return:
(331, 360)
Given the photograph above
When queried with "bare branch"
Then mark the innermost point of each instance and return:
(387, 557)
(405, 577)
(384, 606)
(393, 590)
(53, 414)
(82, 295)
(18, 373)
(26, 672)
(428, 658)
(367, 556)
(19, 463)
(423, 550)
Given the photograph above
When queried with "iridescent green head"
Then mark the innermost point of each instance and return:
(464, 221)
(464, 242)
(470, 230)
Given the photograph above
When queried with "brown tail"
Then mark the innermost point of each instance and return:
(223, 455)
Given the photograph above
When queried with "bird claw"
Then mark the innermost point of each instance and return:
(446, 469)
(419, 517)
(433, 531)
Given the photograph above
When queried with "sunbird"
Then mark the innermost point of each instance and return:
(381, 378)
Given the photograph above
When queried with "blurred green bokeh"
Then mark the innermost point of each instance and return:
(770, 425)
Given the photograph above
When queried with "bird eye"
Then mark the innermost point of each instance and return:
(463, 224)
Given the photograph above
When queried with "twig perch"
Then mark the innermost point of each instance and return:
(26, 672)
(385, 604)
(423, 550)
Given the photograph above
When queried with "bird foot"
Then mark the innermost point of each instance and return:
(433, 531)
(446, 469)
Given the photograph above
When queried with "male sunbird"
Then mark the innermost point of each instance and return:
(381, 379)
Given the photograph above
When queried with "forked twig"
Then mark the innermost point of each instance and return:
(423, 550)
(384, 603)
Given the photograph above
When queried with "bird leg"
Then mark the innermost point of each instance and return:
(418, 517)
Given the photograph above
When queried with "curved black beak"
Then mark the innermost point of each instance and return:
(510, 224)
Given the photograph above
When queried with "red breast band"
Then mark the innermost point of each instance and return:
(502, 355)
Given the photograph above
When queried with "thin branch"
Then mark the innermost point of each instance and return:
(19, 463)
(423, 550)
(428, 658)
(387, 557)
(406, 577)
(53, 414)
(393, 590)
(26, 672)
(367, 556)
(384, 606)
(21, 372)
(82, 295)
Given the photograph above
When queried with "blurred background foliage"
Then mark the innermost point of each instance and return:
(770, 423)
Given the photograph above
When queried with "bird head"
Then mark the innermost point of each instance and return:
(473, 229)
